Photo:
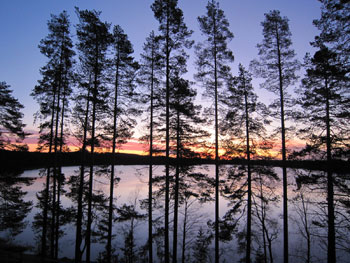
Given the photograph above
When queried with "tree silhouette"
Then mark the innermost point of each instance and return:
(278, 66)
(150, 71)
(212, 58)
(174, 36)
(13, 207)
(52, 93)
(124, 68)
(94, 40)
(11, 125)
(334, 26)
(186, 134)
(323, 99)
(244, 128)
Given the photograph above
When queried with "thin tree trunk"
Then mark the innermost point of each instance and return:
(330, 191)
(283, 133)
(111, 190)
(306, 227)
(184, 233)
(78, 238)
(150, 179)
(60, 173)
(176, 198)
(46, 195)
(89, 219)
(249, 212)
(167, 139)
(53, 222)
(217, 216)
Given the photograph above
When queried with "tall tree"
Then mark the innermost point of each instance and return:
(244, 127)
(11, 125)
(213, 55)
(124, 77)
(335, 28)
(80, 119)
(151, 66)
(174, 35)
(277, 65)
(185, 133)
(52, 94)
(93, 41)
(323, 97)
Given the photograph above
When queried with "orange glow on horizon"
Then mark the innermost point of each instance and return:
(135, 146)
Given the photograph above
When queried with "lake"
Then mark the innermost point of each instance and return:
(307, 194)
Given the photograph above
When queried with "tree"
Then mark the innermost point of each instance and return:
(10, 117)
(52, 94)
(244, 127)
(124, 76)
(323, 98)
(13, 207)
(150, 70)
(277, 65)
(94, 40)
(174, 35)
(200, 247)
(186, 134)
(334, 25)
(213, 56)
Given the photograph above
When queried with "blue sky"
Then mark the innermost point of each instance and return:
(24, 24)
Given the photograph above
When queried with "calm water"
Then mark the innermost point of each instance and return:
(133, 187)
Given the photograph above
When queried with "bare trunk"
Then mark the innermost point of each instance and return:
(184, 233)
(283, 134)
(330, 191)
(176, 201)
(217, 216)
(249, 212)
(167, 146)
(150, 179)
(47, 189)
(78, 238)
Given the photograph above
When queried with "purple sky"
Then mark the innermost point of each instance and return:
(23, 25)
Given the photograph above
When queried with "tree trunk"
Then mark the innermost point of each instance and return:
(283, 133)
(150, 179)
(217, 216)
(330, 191)
(176, 198)
(167, 139)
(184, 233)
(47, 189)
(78, 238)
(111, 190)
(249, 212)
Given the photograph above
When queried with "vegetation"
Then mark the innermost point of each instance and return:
(111, 92)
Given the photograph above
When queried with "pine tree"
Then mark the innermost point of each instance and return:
(94, 40)
(213, 57)
(52, 93)
(124, 68)
(185, 133)
(334, 25)
(245, 131)
(11, 125)
(277, 65)
(323, 98)
(150, 70)
(174, 35)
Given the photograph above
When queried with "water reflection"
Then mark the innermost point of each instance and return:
(307, 205)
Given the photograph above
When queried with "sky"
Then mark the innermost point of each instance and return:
(24, 24)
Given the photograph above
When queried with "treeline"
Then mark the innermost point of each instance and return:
(95, 91)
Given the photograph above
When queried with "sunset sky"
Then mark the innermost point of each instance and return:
(24, 24)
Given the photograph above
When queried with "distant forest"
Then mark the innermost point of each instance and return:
(92, 89)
